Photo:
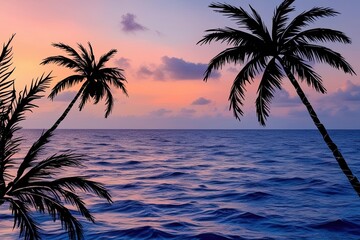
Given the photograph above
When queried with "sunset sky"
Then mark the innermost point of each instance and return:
(156, 43)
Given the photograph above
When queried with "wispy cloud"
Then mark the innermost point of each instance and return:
(201, 101)
(343, 101)
(179, 69)
(160, 112)
(146, 72)
(346, 96)
(129, 24)
(123, 62)
(187, 112)
(349, 92)
(283, 99)
(173, 68)
(335, 110)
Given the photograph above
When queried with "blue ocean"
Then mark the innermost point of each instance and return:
(210, 184)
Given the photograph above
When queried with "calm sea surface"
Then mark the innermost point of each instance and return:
(211, 184)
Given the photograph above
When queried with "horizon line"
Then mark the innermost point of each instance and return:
(261, 129)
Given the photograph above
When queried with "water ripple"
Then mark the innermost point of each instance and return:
(204, 185)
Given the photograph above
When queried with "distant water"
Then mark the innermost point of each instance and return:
(212, 184)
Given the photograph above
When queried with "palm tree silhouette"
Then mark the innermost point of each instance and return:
(286, 51)
(36, 185)
(95, 76)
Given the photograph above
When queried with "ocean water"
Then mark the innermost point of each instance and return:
(211, 184)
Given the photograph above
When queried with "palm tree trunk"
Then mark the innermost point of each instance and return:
(67, 110)
(332, 146)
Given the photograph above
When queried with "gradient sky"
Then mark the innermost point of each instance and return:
(156, 43)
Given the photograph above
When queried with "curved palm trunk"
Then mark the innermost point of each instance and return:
(332, 146)
(67, 110)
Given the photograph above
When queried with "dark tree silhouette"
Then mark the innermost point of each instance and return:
(285, 51)
(36, 185)
(95, 77)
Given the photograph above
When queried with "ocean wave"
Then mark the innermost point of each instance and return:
(213, 236)
(132, 162)
(166, 175)
(179, 226)
(255, 196)
(137, 233)
(338, 225)
(229, 215)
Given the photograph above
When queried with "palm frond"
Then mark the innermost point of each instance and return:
(242, 18)
(104, 58)
(65, 83)
(62, 61)
(265, 32)
(23, 104)
(6, 55)
(11, 147)
(7, 94)
(48, 167)
(27, 96)
(305, 72)
(73, 53)
(75, 200)
(24, 192)
(5, 62)
(304, 19)
(32, 196)
(87, 58)
(115, 77)
(7, 91)
(29, 228)
(230, 55)
(120, 84)
(112, 72)
(85, 97)
(237, 95)
(99, 90)
(322, 35)
(280, 18)
(8, 146)
(83, 184)
(323, 54)
(33, 191)
(54, 208)
(92, 57)
(33, 152)
(246, 75)
(271, 80)
(109, 101)
(230, 36)
(46, 200)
